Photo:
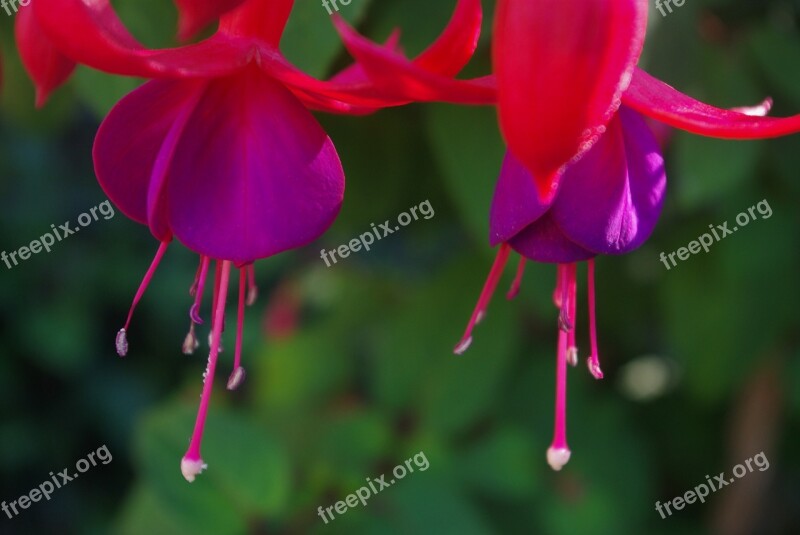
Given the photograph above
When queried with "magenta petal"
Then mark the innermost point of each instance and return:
(516, 203)
(254, 174)
(543, 241)
(610, 200)
(130, 138)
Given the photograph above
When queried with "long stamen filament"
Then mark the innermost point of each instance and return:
(563, 277)
(217, 279)
(517, 284)
(237, 376)
(121, 341)
(199, 286)
(572, 348)
(252, 289)
(594, 359)
(486, 294)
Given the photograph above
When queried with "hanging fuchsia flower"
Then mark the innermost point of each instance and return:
(219, 150)
(583, 176)
(608, 202)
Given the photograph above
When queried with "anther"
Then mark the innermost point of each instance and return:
(122, 343)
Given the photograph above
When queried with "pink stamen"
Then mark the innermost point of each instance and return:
(121, 341)
(190, 342)
(558, 293)
(564, 284)
(237, 376)
(193, 287)
(198, 286)
(217, 278)
(594, 359)
(252, 289)
(486, 295)
(572, 348)
(558, 454)
(192, 463)
(515, 286)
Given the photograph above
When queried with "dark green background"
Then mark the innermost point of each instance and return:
(367, 378)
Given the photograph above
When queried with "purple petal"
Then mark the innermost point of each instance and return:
(253, 174)
(543, 241)
(609, 201)
(130, 139)
(516, 203)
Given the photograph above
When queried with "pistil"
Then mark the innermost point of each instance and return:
(192, 463)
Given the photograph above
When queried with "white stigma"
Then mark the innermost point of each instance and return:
(122, 343)
(462, 346)
(190, 469)
(557, 457)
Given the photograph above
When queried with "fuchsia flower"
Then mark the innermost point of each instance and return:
(608, 202)
(589, 179)
(219, 150)
(584, 175)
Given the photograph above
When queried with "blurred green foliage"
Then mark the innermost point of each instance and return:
(367, 378)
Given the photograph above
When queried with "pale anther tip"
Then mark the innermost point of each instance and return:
(236, 379)
(252, 295)
(463, 345)
(121, 343)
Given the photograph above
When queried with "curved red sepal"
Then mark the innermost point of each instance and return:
(46, 66)
(654, 98)
(194, 15)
